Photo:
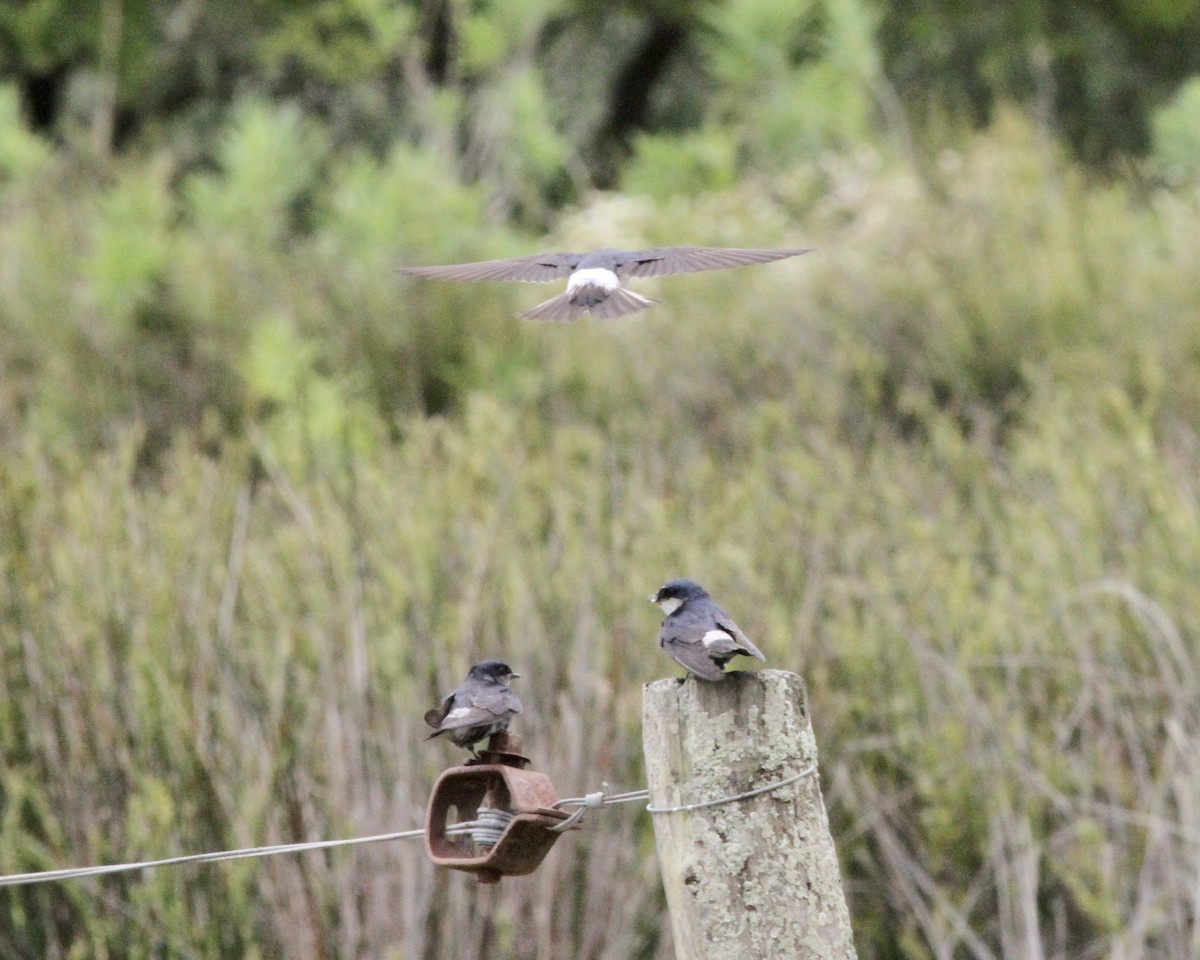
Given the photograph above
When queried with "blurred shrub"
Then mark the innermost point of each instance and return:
(1177, 134)
(22, 152)
(334, 43)
(1093, 73)
(952, 287)
(267, 159)
(662, 166)
(131, 242)
(793, 80)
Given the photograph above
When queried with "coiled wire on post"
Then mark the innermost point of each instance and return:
(489, 825)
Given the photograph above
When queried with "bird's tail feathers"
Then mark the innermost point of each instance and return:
(558, 309)
(561, 309)
(621, 302)
(695, 659)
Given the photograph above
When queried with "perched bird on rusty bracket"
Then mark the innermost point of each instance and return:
(594, 279)
(480, 706)
(698, 634)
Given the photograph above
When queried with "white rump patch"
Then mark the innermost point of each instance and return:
(715, 636)
(600, 277)
(669, 604)
(458, 713)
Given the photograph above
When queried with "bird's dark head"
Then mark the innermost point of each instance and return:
(675, 593)
(492, 670)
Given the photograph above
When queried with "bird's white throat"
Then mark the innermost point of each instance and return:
(669, 604)
(593, 277)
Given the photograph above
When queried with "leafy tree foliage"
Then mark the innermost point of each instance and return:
(543, 99)
(1093, 70)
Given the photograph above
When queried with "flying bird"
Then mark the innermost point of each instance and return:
(594, 279)
(698, 634)
(481, 705)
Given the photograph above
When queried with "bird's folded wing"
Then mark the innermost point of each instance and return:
(469, 717)
(435, 716)
(694, 657)
(684, 630)
(719, 642)
(497, 702)
(472, 716)
(540, 268)
(486, 707)
(741, 641)
(661, 261)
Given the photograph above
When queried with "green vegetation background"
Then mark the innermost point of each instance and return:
(261, 501)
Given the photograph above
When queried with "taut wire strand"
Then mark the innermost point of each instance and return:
(486, 826)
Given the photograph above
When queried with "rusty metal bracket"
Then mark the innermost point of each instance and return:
(510, 811)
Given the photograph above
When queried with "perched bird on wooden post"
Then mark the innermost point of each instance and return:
(594, 279)
(698, 634)
(480, 706)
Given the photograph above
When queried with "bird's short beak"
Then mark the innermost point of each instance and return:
(514, 676)
(653, 598)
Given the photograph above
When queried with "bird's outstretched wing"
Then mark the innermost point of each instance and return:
(539, 268)
(661, 261)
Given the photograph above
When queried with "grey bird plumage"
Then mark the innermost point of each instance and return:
(481, 705)
(699, 635)
(594, 279)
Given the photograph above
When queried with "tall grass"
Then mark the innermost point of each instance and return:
(260, 506)
(999, 657)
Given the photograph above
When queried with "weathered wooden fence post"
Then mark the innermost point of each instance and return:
(756, 878)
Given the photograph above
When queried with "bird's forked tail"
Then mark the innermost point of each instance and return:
(567, 307)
